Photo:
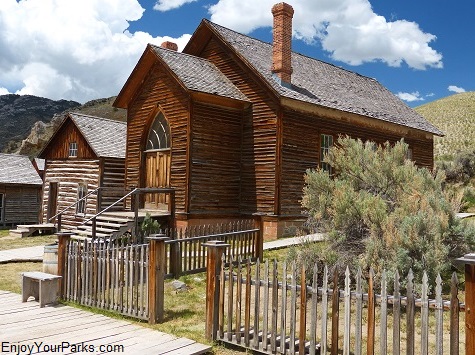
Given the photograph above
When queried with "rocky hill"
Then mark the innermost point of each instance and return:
(19, 113)
(39, 132)
(455, 116)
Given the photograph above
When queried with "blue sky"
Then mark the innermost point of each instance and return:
(84, 49)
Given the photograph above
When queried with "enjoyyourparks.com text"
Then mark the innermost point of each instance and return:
(23, 348)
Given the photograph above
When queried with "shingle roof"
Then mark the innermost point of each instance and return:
(18, 169)
(107, 138)
(327, 85)
(199, 74)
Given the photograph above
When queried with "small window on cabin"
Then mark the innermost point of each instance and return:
(81, 199)
(159, 134)
(326, 141)
(73, 149)
(409, 154)
(2, 204)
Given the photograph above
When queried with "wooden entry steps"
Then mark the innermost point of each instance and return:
(27, 323)
(107, 226)
(113, 224)
(27, 230)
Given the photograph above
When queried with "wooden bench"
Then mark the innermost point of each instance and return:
(42, 286)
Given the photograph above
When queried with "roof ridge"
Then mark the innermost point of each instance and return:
(97, 117)
(293, 51)
(15, 155)
(184, 54)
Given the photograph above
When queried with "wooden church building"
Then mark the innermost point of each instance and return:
(84, 153)
(233, 123)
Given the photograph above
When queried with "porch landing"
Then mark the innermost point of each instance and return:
(24, 324)
(141, 213)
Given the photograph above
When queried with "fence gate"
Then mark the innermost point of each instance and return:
(108, 276)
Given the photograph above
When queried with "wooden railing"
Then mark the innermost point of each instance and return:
(98, 192)
(129, 279)
(188, 256)
(110, 277)
(275, 310)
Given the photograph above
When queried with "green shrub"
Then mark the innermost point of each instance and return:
(382, 211)
(149, 225)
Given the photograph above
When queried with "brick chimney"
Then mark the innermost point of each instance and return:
(282, 41)
(169, 45)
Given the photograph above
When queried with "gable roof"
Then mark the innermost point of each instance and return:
(107, 138)
(192, 73)
(18, 169)
(324, 84)
(198, 74)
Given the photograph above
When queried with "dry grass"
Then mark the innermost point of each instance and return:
(8, 242)
(10, 275)
(453, 115)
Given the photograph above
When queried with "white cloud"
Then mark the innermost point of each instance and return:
(165, 5)
(4, 91)
(348, 29)
(456, 89)
(77, 50)
(410, 97)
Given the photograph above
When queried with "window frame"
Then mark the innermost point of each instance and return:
(324, 149)
(73, 149)
(155, 136)
(2, 206)
(81, 206)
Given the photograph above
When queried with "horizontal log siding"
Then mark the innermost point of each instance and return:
(22, 204)
(68, 174)
(215, 159)
(113, 178)
(258, 162)
(301, 144)
(59, 147)
(158, 89)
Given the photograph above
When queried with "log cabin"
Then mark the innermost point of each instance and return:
(20, 190)
(84, 153)
(233, 123)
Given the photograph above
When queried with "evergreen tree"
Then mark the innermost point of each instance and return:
(382, 211)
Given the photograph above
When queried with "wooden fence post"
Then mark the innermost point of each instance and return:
(469, 261)
(216, 248)
(156, 273)
(259, 247)
(175, 259)
(58, 222)
(63, 240)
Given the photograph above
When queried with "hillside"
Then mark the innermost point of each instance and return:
(39, 132)
(19, 113)
(455, 116)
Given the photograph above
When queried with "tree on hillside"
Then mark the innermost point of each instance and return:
(382, 211)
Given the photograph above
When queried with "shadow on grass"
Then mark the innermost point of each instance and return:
(183, 313)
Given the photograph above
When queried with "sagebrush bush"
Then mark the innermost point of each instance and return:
(382, 211)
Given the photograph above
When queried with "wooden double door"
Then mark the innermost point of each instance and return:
(157, 167)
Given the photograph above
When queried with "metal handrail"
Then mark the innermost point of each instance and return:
(108, 207)
(74, 204)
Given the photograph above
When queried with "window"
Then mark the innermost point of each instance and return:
(159, 135)
(81, 201)
(326, 141)
(409, 154)
(2, 204)
(73, 149)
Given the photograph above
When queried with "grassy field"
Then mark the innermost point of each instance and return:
(7, 242)
(453, 115)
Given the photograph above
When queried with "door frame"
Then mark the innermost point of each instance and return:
(52, 200)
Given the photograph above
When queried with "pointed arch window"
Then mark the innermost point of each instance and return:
(159, 134)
